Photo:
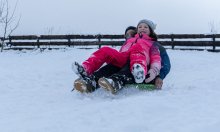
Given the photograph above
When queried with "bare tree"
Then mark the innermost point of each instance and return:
(6, 20)
(213, 28)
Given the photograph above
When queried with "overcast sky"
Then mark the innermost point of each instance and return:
(113, 16)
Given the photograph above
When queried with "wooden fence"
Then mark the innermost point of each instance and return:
(113, 40)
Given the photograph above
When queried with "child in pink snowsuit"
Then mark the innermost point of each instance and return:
(136, 49)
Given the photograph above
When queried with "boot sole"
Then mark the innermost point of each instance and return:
(106, 85)
(138, 73)
(81, 86)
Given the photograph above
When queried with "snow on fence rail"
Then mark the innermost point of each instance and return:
(113, 40)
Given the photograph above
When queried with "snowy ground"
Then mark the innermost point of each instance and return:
(35, 96)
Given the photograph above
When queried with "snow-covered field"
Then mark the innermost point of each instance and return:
(35, 96)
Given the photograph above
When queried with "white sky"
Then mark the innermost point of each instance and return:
(113, 16)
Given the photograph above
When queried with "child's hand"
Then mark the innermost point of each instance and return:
(151, 74)
(158, 82)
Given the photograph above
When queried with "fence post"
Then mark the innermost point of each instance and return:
(10, 41)
(172, 39)
(214, 42)
(68, 40)
(99, 40)
(38, 44)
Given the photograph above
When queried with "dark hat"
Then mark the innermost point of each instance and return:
(128, 28)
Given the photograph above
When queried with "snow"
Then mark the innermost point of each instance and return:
(211, 33)
(35, 96)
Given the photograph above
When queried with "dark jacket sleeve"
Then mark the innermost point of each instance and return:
(165, 62)
(165, 65)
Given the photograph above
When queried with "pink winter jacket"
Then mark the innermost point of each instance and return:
(145, 46)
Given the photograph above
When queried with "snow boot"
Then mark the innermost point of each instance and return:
(82, 85)
(109, 84)
(86, 84)
(79, 69)
(138, 73)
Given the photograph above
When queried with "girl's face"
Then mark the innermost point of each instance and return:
(143, 28)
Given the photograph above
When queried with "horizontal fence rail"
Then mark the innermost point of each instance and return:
(112, 40)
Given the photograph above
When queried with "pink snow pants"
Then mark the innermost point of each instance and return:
(105, 54)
